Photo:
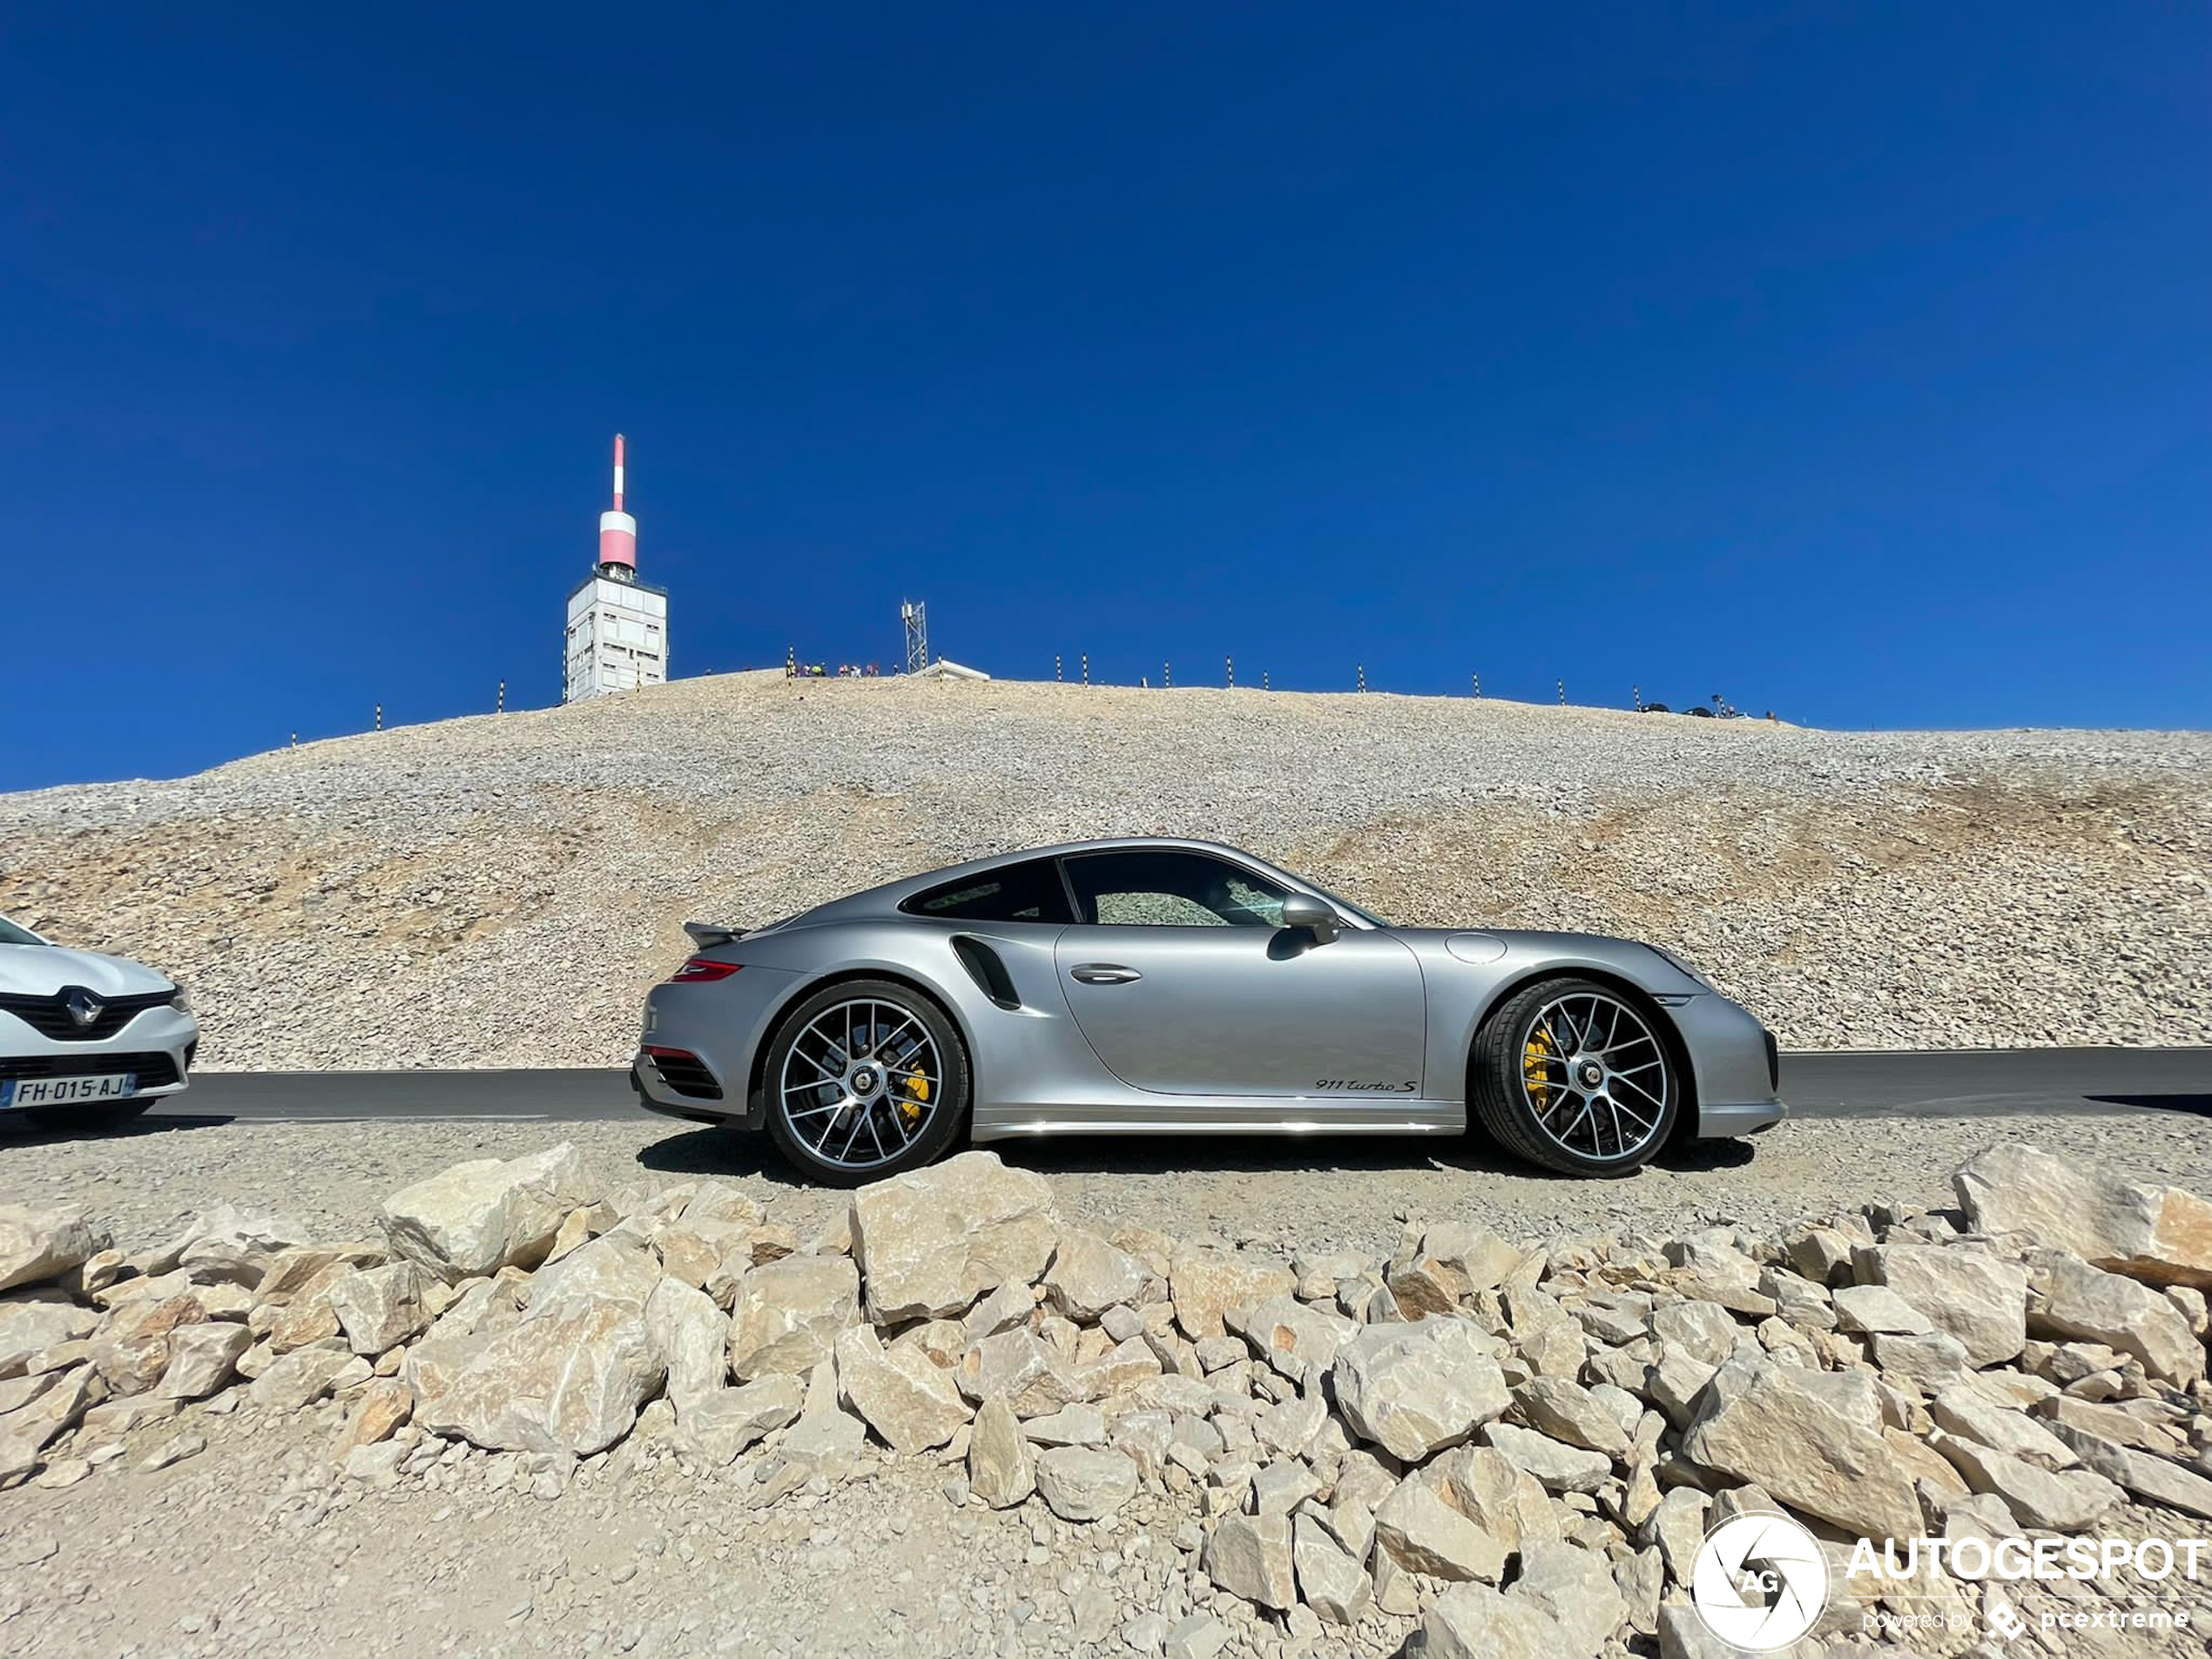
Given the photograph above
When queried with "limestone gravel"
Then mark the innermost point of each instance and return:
(500, 890)
(278, 1521)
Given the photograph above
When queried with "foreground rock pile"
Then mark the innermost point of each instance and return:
(1478, 1447)
(499, 892)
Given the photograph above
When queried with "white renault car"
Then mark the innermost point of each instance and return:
(86, 1040)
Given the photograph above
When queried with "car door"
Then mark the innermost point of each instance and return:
(1184, 980)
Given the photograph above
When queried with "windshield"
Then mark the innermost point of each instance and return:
(12, 934)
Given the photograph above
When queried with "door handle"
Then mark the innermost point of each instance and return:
(1103, 973)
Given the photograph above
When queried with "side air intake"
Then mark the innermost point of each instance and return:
(984, 967)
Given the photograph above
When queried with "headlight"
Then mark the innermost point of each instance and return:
(180, 1002)
(1683, 967)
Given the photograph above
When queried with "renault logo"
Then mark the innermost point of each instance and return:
(83, 1005)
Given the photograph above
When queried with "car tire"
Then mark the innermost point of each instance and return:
(1527, 1091)
(823, 1138)
(88, 1120)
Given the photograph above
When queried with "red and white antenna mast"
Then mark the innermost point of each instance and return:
(617, 631)
(618, 532)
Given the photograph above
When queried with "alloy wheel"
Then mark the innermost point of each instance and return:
(1596, 1078)
(860, 1083)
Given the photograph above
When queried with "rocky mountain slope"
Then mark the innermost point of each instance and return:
(500, 890)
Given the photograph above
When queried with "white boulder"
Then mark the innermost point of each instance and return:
(479, 1216)
(39, 1244)
(904, 1397)
(930, 1242)
(788, 1313)
(1415, 1389)
(2162, 1235)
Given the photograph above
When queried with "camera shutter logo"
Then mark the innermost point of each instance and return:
(1759, 1581)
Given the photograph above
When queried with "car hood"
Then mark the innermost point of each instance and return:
(40, 970)
(1640, 964)
(1518, 938)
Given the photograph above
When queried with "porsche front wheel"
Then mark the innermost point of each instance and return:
(864, 1080)
(1573, 1076)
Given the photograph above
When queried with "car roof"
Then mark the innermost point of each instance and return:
(891, 894)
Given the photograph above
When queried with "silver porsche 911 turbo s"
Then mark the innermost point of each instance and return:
(1148, 986)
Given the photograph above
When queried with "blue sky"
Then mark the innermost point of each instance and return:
(1855, 362)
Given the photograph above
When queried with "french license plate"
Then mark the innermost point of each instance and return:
(16, 1092)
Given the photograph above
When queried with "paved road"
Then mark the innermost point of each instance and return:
(1963, 1084)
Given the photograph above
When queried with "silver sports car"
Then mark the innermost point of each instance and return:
(1142, 985)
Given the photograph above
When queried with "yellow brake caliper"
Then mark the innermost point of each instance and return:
(917, 1096)
(1535, 1053)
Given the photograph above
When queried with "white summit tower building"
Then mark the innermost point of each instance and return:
(617, 626)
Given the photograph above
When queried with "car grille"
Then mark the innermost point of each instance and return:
(50, 1016)
(684, 1073)
(155, 1070)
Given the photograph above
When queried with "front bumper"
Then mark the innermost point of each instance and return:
(160, 1045)
(1734, 1060)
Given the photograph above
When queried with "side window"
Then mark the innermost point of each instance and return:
(1144, 887)
(1028, 892)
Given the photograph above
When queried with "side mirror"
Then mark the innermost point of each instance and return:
(1303, 910)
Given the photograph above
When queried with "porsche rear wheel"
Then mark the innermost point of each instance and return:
(864, 1080)
(1575, 1077)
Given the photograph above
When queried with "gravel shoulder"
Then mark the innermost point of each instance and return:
(1352, 1195)
(251, 1546)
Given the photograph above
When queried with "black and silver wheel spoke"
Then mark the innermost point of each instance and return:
(886, 1036)
(830, 1074)
(1577, 1089)
(1658, 1100)
(861, 1082)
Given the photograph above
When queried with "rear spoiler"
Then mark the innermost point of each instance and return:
(706, 935)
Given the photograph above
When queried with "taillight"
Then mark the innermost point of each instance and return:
(699, 970)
